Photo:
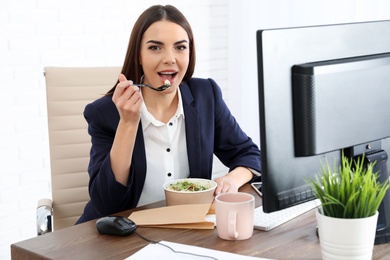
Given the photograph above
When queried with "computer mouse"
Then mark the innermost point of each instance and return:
(115, 225)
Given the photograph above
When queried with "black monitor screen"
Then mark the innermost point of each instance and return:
(322, 89)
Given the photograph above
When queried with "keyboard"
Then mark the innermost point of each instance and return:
(268, 221)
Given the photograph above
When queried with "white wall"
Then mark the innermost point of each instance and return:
(38, 33)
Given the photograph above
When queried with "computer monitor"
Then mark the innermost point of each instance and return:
(322, 89)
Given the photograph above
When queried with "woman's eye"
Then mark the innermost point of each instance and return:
(181, 47)
(154, 48)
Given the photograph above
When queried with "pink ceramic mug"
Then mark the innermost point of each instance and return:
(234, 215)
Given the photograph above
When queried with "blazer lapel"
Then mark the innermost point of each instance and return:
(139, 159)
(191, 116)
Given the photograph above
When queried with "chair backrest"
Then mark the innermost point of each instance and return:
(68, 91)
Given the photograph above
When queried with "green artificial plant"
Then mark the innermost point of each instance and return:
(350, 190)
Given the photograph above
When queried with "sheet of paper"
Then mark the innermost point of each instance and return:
(158, 251)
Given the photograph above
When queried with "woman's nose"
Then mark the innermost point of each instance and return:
(169, 57)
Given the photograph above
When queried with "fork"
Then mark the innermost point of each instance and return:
(161, 88)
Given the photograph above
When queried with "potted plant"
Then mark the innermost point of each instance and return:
(350, 195)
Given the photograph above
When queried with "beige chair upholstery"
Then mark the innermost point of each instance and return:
(68, 91)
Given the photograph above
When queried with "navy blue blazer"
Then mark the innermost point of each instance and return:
(210, 129)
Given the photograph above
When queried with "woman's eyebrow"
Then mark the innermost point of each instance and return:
(155, 42)
(180, 42)
(161, 43)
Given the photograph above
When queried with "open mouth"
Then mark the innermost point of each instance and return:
(167, 76)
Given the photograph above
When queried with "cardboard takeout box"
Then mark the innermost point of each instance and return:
(178, 216)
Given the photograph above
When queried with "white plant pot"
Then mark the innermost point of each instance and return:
(344, 239)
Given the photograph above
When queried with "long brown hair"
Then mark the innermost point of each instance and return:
(132, 68)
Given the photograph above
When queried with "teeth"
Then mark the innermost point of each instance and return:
(167, 73)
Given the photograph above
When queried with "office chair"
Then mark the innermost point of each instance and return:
(68, 91)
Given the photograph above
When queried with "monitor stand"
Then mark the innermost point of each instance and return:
(383, 226)
(374, 153)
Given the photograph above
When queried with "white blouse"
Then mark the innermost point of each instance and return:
(166, 152)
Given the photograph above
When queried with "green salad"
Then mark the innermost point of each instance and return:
(188, 186)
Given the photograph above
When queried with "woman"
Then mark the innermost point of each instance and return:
(142, 138)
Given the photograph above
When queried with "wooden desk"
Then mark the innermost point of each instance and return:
(294, 240)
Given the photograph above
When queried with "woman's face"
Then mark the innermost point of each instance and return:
(165, 54)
